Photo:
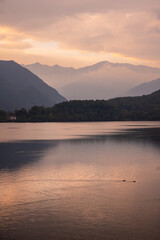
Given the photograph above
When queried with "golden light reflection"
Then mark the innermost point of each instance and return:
(69, 183)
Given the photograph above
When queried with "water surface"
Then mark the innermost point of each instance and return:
(65, 181)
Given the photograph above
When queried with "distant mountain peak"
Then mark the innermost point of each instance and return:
(57, 66)
(37, 63)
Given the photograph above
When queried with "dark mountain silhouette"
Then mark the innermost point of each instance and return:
(20, 88)
(144, 88)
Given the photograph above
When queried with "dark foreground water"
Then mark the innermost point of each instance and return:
(63, 181)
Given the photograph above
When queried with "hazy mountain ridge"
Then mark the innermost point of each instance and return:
(21, 88)
(144, 88)
(56, 76)
(102, 80)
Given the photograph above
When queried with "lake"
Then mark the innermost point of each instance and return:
(80, 181)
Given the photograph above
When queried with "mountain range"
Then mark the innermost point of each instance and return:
(20, 88)
(103, 80)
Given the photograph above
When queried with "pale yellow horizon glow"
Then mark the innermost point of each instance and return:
(50, 53)
(28, 51)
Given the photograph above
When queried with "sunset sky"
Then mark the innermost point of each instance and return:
(80, 32)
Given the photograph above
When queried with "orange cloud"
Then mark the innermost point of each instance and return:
(79, 30)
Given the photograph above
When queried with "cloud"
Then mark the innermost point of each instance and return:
(123, 28)
(131, 34)
(11, 39)
(15, 45)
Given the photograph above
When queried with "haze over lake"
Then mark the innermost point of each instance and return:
(80, 181)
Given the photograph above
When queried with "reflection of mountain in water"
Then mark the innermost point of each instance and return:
(147, 135)
(16, 154)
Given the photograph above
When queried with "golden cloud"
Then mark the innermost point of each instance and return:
(120, 28)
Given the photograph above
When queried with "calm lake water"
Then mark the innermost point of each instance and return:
(64, 181)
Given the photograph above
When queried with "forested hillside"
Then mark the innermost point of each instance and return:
(118, 109)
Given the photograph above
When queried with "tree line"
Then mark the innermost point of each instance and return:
(146, 107)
